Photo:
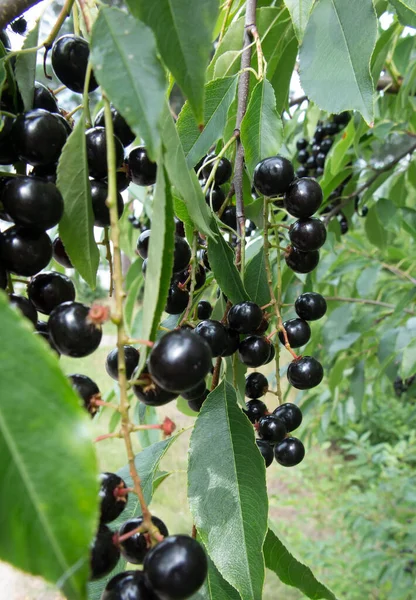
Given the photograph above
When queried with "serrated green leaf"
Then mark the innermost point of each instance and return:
(299, 12)
(339, 149)
(215, 586)
(292, 572)
(76, 227)
(52, 435)
(221, 259)
(283, 72)
(184, 37)
(235, 490)
(255, 279)
(184, 179)
(335, 56)
(25, 70)
(261, 128)
(129, 71)
(375, 231)
(219, 95)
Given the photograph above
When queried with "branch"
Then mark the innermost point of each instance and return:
(365, 301)
(11, 9)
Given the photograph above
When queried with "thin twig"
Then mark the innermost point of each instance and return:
(109, 258)
(194, 264)
(366, 301)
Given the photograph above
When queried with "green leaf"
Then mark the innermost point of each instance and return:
(374, 230)
(129, 71)
(405, 12)
(221, 259)
(367, 279)
(215, 586)
(219, 95)
(184, 179)
(261, 128)
(357, 385)
(25, 70)
(255, 279)
(299, 12)
(76, 227)
(232, 490)
(292, 572)
(408, 367)
(134, 283)
(48, 435)
(282, 76)
(184, 36)
(335, 56)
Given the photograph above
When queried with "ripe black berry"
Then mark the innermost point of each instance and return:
(310, 306)
(302, 171)
(44, 98)
(256, 385)
(272, 429)
(305, 373)
(112, 496)
(97, 152)
(87, 390)
(46, 173)
(59, 253)
(254, 351)
(179, 360)
(273, 176)
(229, 217)
(342, 119)
(223, 172)
(320, 159)
(233, 341)
(69, 61)
(331, 128)
(301, 144)
(307, 235)
(263, 327)
(290, 414)
(319, 171)
(142, 169)
(290, 452)
(3, 278)
(196, 404)
(47, 290)
(151, 394)
(177, 299)
(38, 137)
(24, 251)
(271, 354)
(215, 334)
(266, 450)
(255, 409)
(129, 585)
(182, 254)
(326, 146)
(343, 223)
(104, 553)
(5, 40)
(195, 392)
(99, 195)
(302, 262)
(215, 198)
(131, 357)
(19, 26)
(8, 154)
(302, 156)
(176, 567)
(25, 306)
(303, 198)
(135, 548)
(204, 309)
(298, 333)
(245, 317)
(121, 129)
(143, 243)
(72, 332)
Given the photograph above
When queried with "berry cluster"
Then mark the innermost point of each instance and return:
(174, 567)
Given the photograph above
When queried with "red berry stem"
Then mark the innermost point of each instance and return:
(141, 342)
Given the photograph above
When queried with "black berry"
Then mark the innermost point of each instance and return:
(196, 404)
(131, 357)
(44, 98)
(256, 385)
(298, 333)
(320, 159)
(215, 198)
(266, 451)
(272, 429)
(195, 392)
(255, 409)
(304, 197)
(59, 253)
(143, 243)
(72, 332)
(233, 342)
(134, 548)
(38, 137)
(290, 414)
(290, 452)
(47, 290)
(229, 217)
(142, 169)
(342, 119)
(177, 299)
(129, 585)
(302, 262)
(24, 251)
(25, 307)
(151, 394)
(121, 129)
(182, 254)
(97, 152)
(113, 498)
(302, 171)
(3, 278)
(69, 61)
(245, 317)
(301, 144)
(307, 235)
(305, 373)
(302, 156)
(254, 351)
(273, 176)
(104, 553)
(223, 172)
(204, 309)
(310, 306)
(99, 195)
(87, 390)
(215, 334)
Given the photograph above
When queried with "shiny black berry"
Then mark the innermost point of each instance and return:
(229, 217)
(223, 172)
(263, 327)
(310, 306)
(128, 585)
(290, 414)
(303, 198)
(87, 390)
(59, 253)
(142, 169)
(302, 156)
(99, 195)
(302, 143)
(255, 410)
(195, 392)
(44, 98)
(113, 498)
(176, 567)
(298, 333)
(177, 299)
(131, 358)
(24, 251)
(151, 394)
(24, 306)
(135, 548)
(97, 152)
(245, 317)
(254, 351)
(182, 254)
(331, 129)
(290, 452)
(47, 290)
(46, 173)
(302, 171)
(196, 404)
(5, 40)
(104, 553)
(143, 243)
(121, 129)
(179, 360)
(204, 309)
(233, 342)
(38, 137)
(71, 330)
(271, 354)
(273, 176)
(343, 223)
(302, 262)
(266, 451)
(69, 61)
(305, 373)
(272, 429)
(320, 159)
(215, 198)
(215, 334)
(307, 235)
(256, 385)
(342, 119)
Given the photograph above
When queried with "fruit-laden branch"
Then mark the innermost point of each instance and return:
(11, 9)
